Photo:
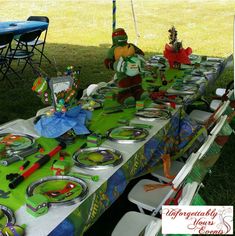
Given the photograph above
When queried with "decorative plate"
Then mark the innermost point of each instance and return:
(185, 87)
(155, 113)
(6, 216)
(97, 158)
(60, 190)
(193, 57)
(14, 143)
(127, 134)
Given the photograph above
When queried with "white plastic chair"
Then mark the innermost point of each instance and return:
(211, 138)
(176, 166)
(219, 125)
(202, 117)
(153, 200)
(220, 92)
(133, 223)
(188, 193)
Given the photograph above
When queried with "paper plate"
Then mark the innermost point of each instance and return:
(127, 134)
(185, 87)
(97, 158)
(8, 216)
(155, 113)
(60, 190)
(17, 142)
(193, 57)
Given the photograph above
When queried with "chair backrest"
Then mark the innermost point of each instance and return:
(178, 180)
(30, 36)
(204, 148)
(211, 138)
(6, 38)
(188, 193)
(219, 125)
(152, 228)
(185, 170)
(38, 18)
(221, 110)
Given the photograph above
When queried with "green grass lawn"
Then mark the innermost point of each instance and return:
(80, 35)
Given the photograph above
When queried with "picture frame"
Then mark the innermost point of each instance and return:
(59, 84)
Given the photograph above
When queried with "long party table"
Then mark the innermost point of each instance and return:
(165, 136)
(20, 27)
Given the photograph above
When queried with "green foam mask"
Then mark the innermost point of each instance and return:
(37, 205)
(119, 37)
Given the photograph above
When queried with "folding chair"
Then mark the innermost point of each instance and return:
(209, 118)
(188, 193)
(40, 44)
(154, 199)
(176, 166)
(25, 52)
(222, 95)
(211, 138)
(219, 125)
(134, 223)
(5, 63)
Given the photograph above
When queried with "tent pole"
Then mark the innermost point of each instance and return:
(135, 22)
(114, 15)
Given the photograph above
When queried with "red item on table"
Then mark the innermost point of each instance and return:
(182, 56)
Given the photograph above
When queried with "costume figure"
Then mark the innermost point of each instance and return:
(125, 59)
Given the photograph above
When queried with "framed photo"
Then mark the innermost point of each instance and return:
(58, 85)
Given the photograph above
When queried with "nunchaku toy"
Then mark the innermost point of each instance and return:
(38, 164)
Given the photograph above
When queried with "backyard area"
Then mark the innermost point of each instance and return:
(79, 35)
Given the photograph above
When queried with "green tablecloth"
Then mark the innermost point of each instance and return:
(169, 139)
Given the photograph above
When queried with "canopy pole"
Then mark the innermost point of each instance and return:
(135, 22)
(234, 56)
(114, 15)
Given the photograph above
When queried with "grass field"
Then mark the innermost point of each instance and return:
(80, 34)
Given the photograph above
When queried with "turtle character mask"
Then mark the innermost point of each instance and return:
(119, 37)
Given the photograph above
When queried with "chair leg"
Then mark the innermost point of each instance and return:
(141, 209)
(26, 62)
(42, 55)
(6, 77)
(15, 73)
(30, 62)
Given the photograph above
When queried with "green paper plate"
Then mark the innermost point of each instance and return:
(97, 158)
(60, 190)
(127, 134)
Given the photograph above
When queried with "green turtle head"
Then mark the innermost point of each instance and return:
(12, 230)
(40, 85)
(37, 205)
(119, 37)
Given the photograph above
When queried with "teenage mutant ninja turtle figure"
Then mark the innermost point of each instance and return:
(126, 59)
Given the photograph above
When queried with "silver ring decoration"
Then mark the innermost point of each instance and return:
(8, 214)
